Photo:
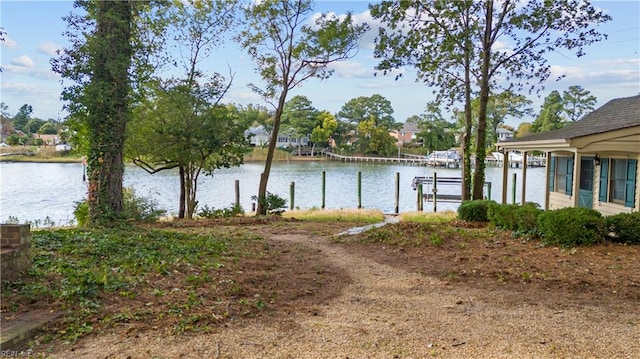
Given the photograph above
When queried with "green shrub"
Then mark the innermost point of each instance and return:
(272, 202)
(520, 219)
(502, 215)
(135, 208)
(475, 210)
(142, 209)
(231, 211)
(81, 212)
(624, 227)
(527, 218)
(570, 227)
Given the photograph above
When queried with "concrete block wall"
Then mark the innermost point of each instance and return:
(14, 251)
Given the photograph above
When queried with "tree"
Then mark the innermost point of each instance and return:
(253, 115)
(550, 117)
(300, 117)
(47, 128)
(375, 107)
(436, 133)
(5, 121)
(501, 46)
(99, 61)
(444, 61)
(372, 116)
(577, 102)
(501, 106)
(524, 129)
(21, 119)
(288, 50)
(34, 125)
(323, 132)
(184, 127)
(375, 139)
(181, 125)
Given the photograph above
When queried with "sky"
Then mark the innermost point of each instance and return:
(610, 69)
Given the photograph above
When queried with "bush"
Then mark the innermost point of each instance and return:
(141, 209)
(502, 215)
(231, 211)
(527, 218)
(475, 210)
(570, 227)
(624, 227)
(135, 208)
(521, 219)
(81, 212)
(272, 202)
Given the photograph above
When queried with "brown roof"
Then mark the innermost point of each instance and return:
(614, 115)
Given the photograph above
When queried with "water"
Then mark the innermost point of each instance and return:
(34, 191)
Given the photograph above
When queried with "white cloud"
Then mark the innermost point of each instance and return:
(351, 69)
(597, 76)
(37, 72)
(616, 62)
(23, 61)
(49, 48)
(9, 43)
(23, 89)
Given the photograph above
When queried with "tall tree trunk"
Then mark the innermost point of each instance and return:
(481, 154)
(468, 123)
(261, 208)
(183, 196)
(109, 110)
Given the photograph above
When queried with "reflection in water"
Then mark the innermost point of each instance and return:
(33, 191)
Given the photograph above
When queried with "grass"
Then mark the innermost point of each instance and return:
(75, 270)
(39, 154)
(337, 215)
(429, 217)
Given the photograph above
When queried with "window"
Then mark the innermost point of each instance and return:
(561, 174)
(586, 174)
(618, 181)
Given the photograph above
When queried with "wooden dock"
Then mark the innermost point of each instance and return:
(408, 161)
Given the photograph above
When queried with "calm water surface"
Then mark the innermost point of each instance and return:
(34, 191)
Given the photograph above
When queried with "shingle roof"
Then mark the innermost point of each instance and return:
(410, 126)
(614, 115)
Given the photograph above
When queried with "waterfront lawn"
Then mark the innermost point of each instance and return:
(181, 276)
(200, 276)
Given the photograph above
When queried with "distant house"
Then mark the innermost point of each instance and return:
(63, 147)
(504, 134)
(591, 163)
(259, 136)
(49, 140)
(407, 133)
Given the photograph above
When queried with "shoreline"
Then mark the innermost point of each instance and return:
(256, 156)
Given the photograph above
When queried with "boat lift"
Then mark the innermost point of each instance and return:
(434, 183)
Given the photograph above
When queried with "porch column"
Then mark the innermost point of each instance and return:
(524, 177)
(549, 179)
(505, 174)
(575, 180)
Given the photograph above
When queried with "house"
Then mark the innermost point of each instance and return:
(592, 163)
(407, 133)
(48, 140)
(259, 136)
(504, 134)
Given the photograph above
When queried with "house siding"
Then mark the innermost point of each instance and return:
(559, 200)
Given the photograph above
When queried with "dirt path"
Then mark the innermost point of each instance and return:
(386, 312)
